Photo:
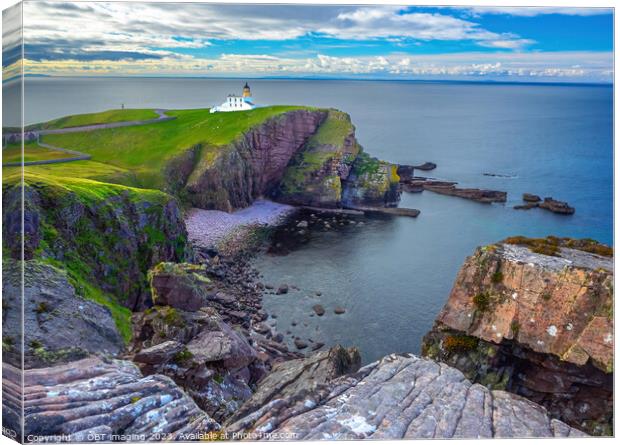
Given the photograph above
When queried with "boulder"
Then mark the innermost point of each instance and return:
(58, 325)
(200, 352)
(93, 396)
(339, 310)
(427, 166)
(182, 286)
(300, 344)
(282, 289)
(220, 343)
(398, 397)
(319, 310)
(159, 354)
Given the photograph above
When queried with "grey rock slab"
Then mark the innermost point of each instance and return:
(400, 396)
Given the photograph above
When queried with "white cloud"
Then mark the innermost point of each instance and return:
(531, 11)
(576, 66)
(115, 26)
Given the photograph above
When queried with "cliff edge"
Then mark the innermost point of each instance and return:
(535, 317)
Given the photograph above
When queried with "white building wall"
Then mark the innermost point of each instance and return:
(233, 103)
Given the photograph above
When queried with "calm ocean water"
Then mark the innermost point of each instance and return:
(394, 275)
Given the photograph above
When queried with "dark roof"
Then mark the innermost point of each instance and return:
(246, 85)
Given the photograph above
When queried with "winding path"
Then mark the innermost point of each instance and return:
(77, 155)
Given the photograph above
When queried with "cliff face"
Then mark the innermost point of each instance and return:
(251, 166)
(104, 236)
(538, 324)
(314, 177)
(58, 325)
(371, 183)
(400, 396)
(302, 157)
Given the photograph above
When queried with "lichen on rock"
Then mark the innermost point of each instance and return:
(542, 312)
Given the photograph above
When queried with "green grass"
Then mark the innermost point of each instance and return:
(104, 117)
(96, 171)
(32, 152)
(333, 131)
(92, 240)
(87, 190)
(145, 149)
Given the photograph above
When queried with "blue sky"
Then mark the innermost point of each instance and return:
(153, 39)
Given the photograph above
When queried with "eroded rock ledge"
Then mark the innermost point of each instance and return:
(91, 396)
(535, 318)
(400, 396)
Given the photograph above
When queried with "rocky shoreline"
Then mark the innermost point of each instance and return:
(171, 342)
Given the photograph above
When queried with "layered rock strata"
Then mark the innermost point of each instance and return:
(400, 396)
(95, 400)
(535, 318)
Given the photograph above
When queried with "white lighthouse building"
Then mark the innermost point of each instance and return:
(236, 103)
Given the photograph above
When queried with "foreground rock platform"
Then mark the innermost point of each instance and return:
(400, 396)
(76, 401)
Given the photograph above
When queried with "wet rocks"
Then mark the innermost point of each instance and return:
(555, 206)
(474, 194)
(528, 197)
(427, 166)
(417, 398)
(319, 310)
(300, 344)
(108, 398)
(532, 201)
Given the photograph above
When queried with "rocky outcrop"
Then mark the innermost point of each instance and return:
(400, 396)
(252, 165)
(555, 206)
(96, 400)
(204, 332)
(297, 379)
(479, 195)
(302, 157)
(371, 183)
(315, 176)
(212, 361)
(535, 317)
(58, 326)
(106, 236)
(550, 204)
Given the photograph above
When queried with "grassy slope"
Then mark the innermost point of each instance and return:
(90, 193)
(145, 149)
(32, 152)
(104, 117)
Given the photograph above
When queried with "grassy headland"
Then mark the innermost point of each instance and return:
(145, 150)
(104, 117)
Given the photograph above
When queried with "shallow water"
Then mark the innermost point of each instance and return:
(394, 274)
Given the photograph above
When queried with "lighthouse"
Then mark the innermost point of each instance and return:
(236, 103)
(246, 91)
